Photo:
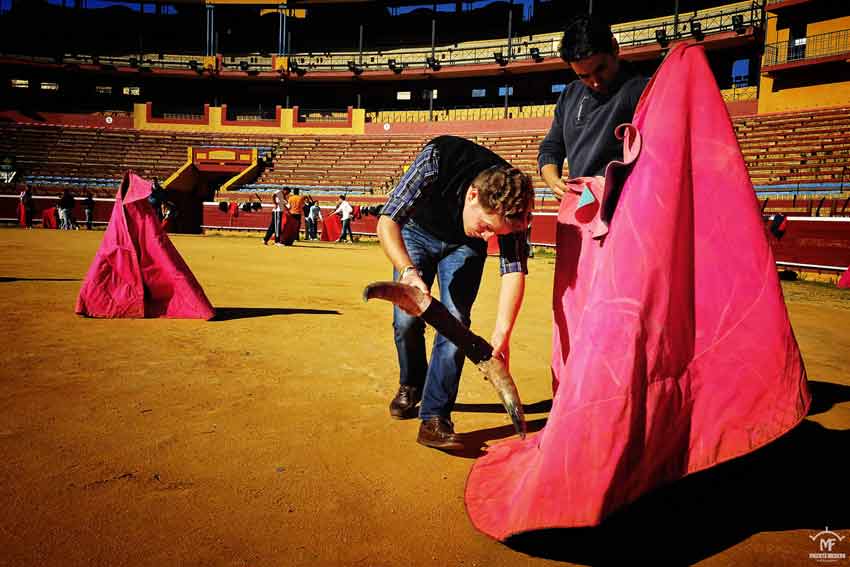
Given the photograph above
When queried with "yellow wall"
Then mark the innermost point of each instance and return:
(801, 98)
(837, 24)
(358, 124)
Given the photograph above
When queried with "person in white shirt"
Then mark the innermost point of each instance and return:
(345, 212)
(280, 199)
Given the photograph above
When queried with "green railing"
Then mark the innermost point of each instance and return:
(812, 47)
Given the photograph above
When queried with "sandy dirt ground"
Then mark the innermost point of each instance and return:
(263, 438)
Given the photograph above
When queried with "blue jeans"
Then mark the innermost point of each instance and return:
(346, 229)
(458, 269)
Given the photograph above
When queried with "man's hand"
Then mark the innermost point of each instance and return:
(552, 177)
(501, 347)
(412, 278)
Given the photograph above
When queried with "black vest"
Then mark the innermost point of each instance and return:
(441, 212)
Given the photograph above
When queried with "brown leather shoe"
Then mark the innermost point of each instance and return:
(439, 433)
(404, 403)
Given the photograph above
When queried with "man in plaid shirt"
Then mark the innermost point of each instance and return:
(455, 196)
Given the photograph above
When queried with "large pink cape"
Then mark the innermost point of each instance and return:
(137, 271)
(672, 349)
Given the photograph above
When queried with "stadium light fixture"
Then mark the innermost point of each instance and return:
(696, 30)
(500, 59)
(661, 37)
(535, 54)
(738, 24)
(432, 63)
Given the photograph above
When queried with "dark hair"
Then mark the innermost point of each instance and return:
(585, 35)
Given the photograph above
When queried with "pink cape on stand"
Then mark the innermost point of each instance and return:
(844, 281)
(137, 271)
(672, 349)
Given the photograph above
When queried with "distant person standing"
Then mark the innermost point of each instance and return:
(66, 211)
(345, 212)
(88, 209)
(296, 206)
(313, 218)
(26, 207)
(280, 202)
(169, 216)
(157, 196)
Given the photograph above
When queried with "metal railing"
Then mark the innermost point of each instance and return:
(733, 17)
(814, 47)
(737, 16)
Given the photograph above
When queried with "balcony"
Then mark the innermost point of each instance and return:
(814, 50)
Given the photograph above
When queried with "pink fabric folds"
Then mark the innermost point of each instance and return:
(672, 349)
(137, 271)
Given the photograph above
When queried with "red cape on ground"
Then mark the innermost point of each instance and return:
(672, 350)
(137, 271)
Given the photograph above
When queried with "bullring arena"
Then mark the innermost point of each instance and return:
(262, 436)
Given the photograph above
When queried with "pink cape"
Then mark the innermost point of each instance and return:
(137, 271)
(672, 350)
(844, 281)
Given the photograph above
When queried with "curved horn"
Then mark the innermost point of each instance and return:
(408, 298)
(498, 375)
(413, 301)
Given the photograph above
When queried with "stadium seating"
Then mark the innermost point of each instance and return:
(790, 153)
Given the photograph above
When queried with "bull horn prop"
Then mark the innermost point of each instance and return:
(412, 301)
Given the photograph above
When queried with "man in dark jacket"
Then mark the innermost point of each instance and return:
(590, 108)
(454, 197)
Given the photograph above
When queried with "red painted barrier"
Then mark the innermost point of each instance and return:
(808, 242)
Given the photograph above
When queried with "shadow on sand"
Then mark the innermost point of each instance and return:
(798, 482)
(6, 279)
(231, 313)
(542, 406)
